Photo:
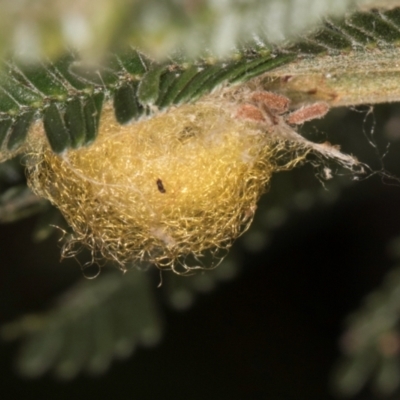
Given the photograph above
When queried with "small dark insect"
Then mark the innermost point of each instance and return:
(160, 186)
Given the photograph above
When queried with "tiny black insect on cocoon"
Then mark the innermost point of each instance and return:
(160, 186)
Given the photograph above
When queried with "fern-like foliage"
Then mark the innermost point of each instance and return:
(68, 95)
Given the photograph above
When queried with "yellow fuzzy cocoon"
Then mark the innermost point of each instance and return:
(165, 190)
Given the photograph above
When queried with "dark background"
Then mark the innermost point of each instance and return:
(270, 333)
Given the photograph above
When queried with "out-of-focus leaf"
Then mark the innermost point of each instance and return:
(370, 344)
(94, 322)
(19, 202)
(45, 27)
